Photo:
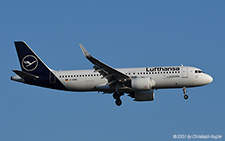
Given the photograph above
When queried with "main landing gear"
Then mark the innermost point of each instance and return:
(185, 93)
(117, 96)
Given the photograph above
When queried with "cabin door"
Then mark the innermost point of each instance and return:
(52, 78)
(184, 72)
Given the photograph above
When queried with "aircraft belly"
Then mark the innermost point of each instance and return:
(171, 83)
(83, 84)
(174, 83)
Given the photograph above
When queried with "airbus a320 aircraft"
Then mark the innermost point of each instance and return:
(138, 83)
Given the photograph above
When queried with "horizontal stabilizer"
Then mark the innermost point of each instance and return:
(25, 75)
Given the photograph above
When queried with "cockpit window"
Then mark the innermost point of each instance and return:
(198, 71)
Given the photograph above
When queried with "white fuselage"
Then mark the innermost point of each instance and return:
(164, 77)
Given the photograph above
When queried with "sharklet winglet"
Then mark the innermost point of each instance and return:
(85, 52)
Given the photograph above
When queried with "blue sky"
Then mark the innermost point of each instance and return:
(121, 34)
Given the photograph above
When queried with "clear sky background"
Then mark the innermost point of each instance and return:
(121, 34)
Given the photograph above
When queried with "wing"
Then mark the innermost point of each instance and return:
(111, 74)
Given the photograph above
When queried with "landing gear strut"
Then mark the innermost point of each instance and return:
(117, 97)
(185, 93)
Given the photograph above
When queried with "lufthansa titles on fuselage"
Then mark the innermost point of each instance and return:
(154, 69)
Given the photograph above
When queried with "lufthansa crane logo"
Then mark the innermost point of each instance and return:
(29, 63)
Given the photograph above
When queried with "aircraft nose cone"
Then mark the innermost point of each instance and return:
(209, 79)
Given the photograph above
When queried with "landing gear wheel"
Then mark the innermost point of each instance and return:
(116, 96)
(118, 102)
(185, 97)
(185, 93)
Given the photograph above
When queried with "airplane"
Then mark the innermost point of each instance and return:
(138, 83)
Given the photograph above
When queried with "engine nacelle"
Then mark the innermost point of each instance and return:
(144, 95)
(142, 84)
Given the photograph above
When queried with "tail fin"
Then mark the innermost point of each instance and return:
(29, 61)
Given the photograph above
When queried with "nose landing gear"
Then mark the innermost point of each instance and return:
(117, 97)
(185, 93)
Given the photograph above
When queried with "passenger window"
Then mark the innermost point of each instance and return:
(198, 71)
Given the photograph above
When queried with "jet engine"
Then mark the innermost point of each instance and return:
(142, 83)
(144, 95)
